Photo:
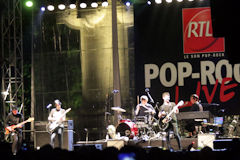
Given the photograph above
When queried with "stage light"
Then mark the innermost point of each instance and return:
(50, 8)
(83, 5)
(105, 4)
(128, 4)
(94, 4)
(61, 6)
(149, 2)
(72, 6)
(190, 0)
(158, 1)
(29, 3)
(169, 1)
(43, 9)
(179, 0)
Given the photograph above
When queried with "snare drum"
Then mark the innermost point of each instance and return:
(127, 128)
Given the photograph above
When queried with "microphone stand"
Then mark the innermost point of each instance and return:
(151, 100)
(86, 135)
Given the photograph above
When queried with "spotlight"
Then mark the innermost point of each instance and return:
(72, 6)
(105, 4)
(61, 6)
(149, 2)
(50, 8)
(128, 4)
(168, 1)
(43, 9)
(179, 0)
(158, 1)
(94, 4)
(83, 5)
(29, 3)
(190, 0)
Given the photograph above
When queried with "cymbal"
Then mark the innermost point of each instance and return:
(118, 109)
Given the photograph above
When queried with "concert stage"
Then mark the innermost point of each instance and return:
(101, 144)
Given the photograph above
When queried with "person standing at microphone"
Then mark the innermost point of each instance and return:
(57, 115)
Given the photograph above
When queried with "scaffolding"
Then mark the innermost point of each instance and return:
(11, 56)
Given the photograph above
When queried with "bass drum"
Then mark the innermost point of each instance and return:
(127, 128)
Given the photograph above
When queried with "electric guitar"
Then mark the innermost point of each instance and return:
(51, 126)
(10, 129)
(164, 121)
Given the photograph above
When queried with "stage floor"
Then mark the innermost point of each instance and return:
(101, 144)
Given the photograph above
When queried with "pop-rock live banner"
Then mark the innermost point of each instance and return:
(175, 52)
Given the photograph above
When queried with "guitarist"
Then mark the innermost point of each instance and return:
(56, 115)
(15, 135)
(164, 109)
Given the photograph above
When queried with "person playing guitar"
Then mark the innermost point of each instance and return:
(13, 129)
(57, 115)
(167, 117)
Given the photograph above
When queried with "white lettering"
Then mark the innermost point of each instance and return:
(207, 70)
(190, 30)
(184, 70)
(163, 77)
(151, 72)
(218, 72)
(207, 30)
(236, 72)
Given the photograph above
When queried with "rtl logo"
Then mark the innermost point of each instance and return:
(197, 32)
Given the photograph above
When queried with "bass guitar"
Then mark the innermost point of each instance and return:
(51, 126)
(164, 121)
(10, 129)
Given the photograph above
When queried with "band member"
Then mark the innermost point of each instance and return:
(15, 135)
(194, 126)
(57, 115)
(144, 108)
(164, 109)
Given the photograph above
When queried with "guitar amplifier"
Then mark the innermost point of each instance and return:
(42, 138)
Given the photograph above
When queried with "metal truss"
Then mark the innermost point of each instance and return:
(12, 55)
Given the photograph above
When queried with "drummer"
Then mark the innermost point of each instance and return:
(144, 108)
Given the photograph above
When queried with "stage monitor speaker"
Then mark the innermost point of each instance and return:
(206, 140)
(116, 143)
(227, 143)
(42, 138)
(78, 147)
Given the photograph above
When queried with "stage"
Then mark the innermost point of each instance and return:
(203, 140)
(101, 144)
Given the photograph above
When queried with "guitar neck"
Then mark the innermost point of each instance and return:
(173, 110)
(22, 123)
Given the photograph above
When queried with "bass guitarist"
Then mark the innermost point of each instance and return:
(164, 109)
(14, 129)
(57, 115)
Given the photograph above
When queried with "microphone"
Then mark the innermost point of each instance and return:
(147, 90)
(85, 129)
(49, 105)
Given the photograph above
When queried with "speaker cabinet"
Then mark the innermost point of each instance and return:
(206, 140)
(42, 138)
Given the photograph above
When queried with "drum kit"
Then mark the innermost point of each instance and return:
(141, 127)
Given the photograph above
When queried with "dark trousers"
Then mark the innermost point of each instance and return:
(58, 131)
(173, 127)
(17, 141)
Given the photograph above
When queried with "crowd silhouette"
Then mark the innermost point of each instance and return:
(128, 152)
